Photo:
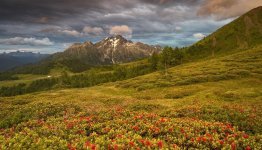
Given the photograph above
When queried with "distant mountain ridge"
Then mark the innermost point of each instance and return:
(19, 58)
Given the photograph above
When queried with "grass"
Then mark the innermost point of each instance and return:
(22, 78)
(221, 92)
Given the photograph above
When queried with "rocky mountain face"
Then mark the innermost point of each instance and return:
(112, 50)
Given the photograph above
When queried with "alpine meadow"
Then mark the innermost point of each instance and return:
(125, 87)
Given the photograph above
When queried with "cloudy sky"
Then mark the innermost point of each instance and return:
(48, 26)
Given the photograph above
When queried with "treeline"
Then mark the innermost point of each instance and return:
(168, 58)
(91, 78)
(38, 85)
(44, 67)
(7, 76)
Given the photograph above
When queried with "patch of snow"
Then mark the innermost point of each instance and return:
(114, 42)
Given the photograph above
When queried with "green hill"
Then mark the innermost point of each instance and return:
(243, 33)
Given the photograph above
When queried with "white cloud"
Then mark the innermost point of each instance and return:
(93, 30)
(27, 41)
(199, 35)
(123, 30)
(178, 28)
(71, 33)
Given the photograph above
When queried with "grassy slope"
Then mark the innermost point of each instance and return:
(243, 33)
(226, 89)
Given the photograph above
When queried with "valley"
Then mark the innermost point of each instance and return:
(119, 94)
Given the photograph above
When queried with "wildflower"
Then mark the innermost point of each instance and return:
(174, 146)
(80, 132)
(229, 126)
(115, 147)
(163, 120)
(221, 142)
(132, 144)
(160, 144)
(248, 148)
(204, 139)
(233, 146)
(245, 136)
(199, 139)
(157, 130)
(170, 129)
(148, 143)
(70, 147)
(93, 147)
(136, 128)
(142, 141)
(182, 130)
(88, 144)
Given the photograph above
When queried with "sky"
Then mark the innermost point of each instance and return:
(49, 26)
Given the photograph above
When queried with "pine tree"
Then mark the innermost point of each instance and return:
(167, 58)
(153, 60)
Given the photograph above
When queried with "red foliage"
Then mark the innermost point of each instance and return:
(248, 148)
(160, 144)
(233, 146)
(136, 128)
(132, 144)
(245, 136)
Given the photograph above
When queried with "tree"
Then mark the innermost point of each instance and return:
(167, 57)
(65, 78)
(120, 72)
(153, 60)
(213, 46)
(179, 55)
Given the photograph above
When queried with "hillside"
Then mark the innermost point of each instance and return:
(243, 33)
(199, 105)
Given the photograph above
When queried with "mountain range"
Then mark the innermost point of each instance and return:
(19, 58)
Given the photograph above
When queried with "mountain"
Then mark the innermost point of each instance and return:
(112, 50)
(18, 58)
(243, 33)
(82, 56)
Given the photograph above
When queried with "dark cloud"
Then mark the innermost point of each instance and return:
(172, 22)
(31, 10)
